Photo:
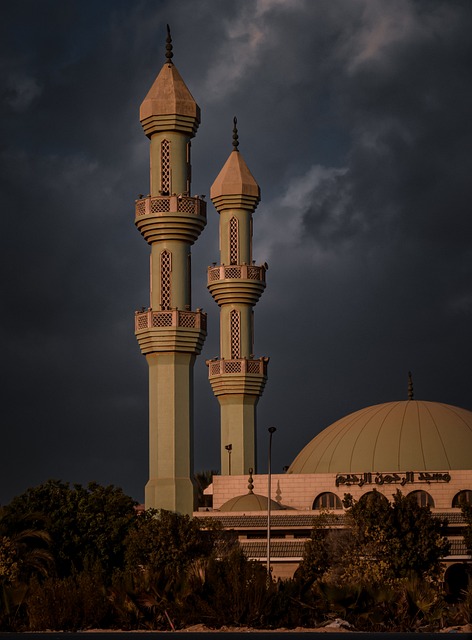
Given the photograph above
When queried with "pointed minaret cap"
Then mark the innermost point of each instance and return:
(235, 186)
(169, 105)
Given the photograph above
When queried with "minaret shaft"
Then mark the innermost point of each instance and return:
(170, 163)
(170, 335)
(170, 275)
(236, 340)
(235, 237)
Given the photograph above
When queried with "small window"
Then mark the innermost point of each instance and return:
(165, 168)
(233, 241)
(166, 268)
(423, 498)
(327, 500)
(235, 327)
(461, 498)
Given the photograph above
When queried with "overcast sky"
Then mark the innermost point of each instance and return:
(354, 117)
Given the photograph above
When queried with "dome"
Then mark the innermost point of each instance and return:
(395, 436)
(249, 502)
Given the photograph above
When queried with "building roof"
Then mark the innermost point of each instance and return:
(249, 502)
(297, 520)
(395, 436)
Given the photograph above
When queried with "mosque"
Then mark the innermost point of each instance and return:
(422, 448)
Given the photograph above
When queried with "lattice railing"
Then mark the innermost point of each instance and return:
(161, 205)
(174, 318)
(239, 272)
(242, 365)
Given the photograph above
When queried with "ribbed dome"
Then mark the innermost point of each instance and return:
(395, 436)
(250, 502)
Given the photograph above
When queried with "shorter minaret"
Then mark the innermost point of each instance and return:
(237, 378)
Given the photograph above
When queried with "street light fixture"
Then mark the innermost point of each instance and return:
(271, 431)
(229, 448)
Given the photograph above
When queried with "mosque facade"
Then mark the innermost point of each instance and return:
(418, 447)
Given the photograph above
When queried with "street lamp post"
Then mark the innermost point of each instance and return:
(271, 431)
(229, 448)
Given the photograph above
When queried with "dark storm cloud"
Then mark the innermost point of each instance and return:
(355, 120)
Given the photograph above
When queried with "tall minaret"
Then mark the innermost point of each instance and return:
(169, 333)
(237, 378)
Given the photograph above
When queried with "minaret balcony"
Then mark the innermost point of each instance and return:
(170, 318)
(237, 283)
(240, 271)
(237, 366)
(171, 330)
(238, 377)
(175, 217)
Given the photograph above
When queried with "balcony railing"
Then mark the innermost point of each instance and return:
(242, 365)
(236, 271)
(172, 318)
(163, 205)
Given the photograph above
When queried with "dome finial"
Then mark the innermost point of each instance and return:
(169, 54)
(411, 395)
(235, 134)
(250, 483)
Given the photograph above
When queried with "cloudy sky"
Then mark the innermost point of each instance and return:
(354, 117)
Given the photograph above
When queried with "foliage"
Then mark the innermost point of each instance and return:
(24, 550)
(401, 535)
(86, 524)
(78, 601)
(381, 544)
(203, 479)
(167, 542)
(316, 559)
(467, 514)
(229, 591)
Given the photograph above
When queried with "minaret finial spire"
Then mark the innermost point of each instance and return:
(169, 54)
(411, 395)
(250, 482)
(235, 134)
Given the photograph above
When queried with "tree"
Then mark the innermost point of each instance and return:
(164, 541)
(381, 543)
(467, 514)
(86, 524)
(401, 535)
(316, 558)
(203, 479)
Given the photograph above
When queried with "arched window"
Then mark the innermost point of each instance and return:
(327, 500)
(235, 323)
(423, 498)
(233, 240)
(463, 497)
(165, 167)
(166, 268)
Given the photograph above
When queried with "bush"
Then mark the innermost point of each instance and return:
(68, 604)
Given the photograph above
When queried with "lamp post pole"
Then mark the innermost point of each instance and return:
(271, 431)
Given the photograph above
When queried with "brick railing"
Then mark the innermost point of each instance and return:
(242, 365)
(239, 271)
(162, 205)
(173, 318)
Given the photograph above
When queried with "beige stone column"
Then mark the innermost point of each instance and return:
(237, 377)
(169, 333)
